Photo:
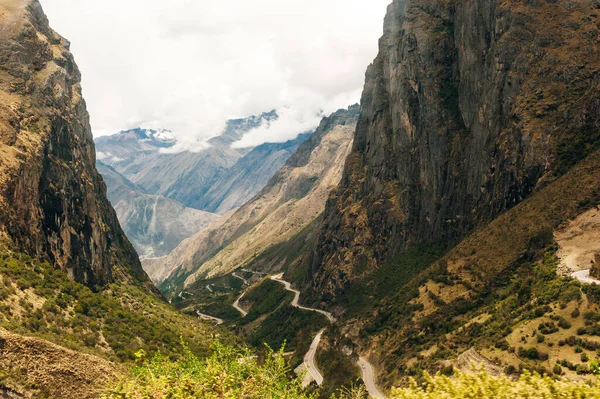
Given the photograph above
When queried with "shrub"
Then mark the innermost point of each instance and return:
(548, 328)
(584, 357)
(227, 373)
(482, 385)
(563, 323)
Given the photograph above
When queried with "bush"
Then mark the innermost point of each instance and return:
(584, 357)
(227, 373)
(563, 323)
(548, 328)
(482, 385)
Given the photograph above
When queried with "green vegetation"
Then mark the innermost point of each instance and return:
(38, 300)
(339, 369)
(227, 373)
(265, 297)
(483, 385)
(383, 283)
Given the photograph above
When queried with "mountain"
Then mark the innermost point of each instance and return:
(182, 176)
(215, 179)
(238, 184)
(74, 300)
(476, 143)
(292, 200)
(53, 202)
(155, 225)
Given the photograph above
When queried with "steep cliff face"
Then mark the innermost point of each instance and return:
(52, 200)
(291, 201)
(469, 107)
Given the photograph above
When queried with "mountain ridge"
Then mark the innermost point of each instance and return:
(53, 201)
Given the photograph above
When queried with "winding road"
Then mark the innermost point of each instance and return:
(309, 364)
(211, 318)
(584, 277)
(296, 300)
(237, 307)
(368, 377)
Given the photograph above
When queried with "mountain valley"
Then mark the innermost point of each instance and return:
(442, 236)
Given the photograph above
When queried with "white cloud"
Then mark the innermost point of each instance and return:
(189, 65)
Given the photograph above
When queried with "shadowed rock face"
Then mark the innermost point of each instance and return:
(595, 272)
(467, 109)
(52, 200)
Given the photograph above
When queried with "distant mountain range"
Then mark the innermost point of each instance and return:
(163, 197)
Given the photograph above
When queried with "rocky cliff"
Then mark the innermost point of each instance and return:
(291, 201)
(468, 108)
(52, 200)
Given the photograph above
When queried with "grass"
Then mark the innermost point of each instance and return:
(38, 300)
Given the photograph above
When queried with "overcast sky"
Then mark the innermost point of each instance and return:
(189, 65)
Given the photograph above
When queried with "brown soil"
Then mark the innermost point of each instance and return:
(33, 367)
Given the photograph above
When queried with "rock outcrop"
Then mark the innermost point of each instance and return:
(469, 107)
(53, 202)
(595, 272)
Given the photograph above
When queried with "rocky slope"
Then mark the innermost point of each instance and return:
(81, 374)
(155, 225)
(476, 146)
(52, 200)
(468, 108)
(292, 199)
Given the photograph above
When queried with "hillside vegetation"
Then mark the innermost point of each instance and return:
(230, 373)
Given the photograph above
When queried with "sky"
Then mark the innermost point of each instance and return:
(190, 65)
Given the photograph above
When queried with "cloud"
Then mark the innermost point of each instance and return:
(189, 65)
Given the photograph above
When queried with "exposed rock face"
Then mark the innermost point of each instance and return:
(52, 200)
(155, 225)
(291, 201)
(595, 272)
(468, 107)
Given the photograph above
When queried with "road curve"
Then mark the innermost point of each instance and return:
(312, 371)
(211, 318)
(296, 300)
(368, 377)
(237, 307)
(584, 277)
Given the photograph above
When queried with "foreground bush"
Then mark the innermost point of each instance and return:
(231, 373)
(227, 373)
(484, 386)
